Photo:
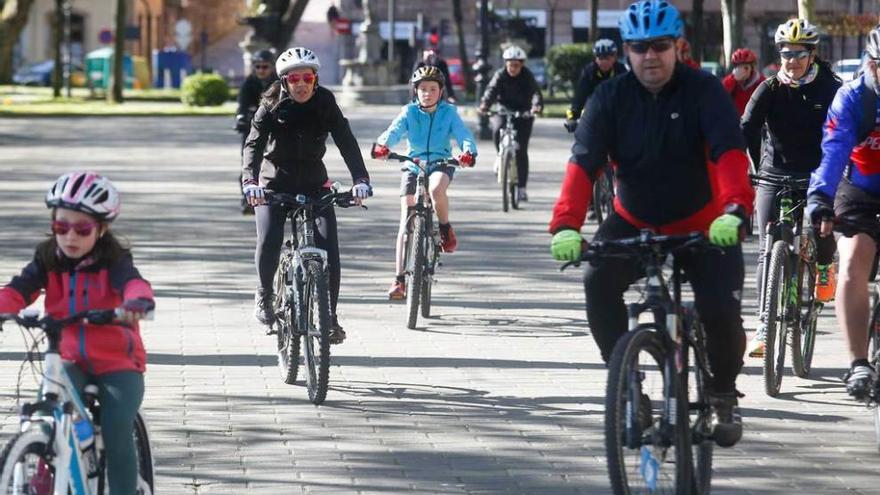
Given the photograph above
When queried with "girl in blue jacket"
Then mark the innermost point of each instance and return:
(428, 123)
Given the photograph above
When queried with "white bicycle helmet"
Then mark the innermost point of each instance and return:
(604, 47)
(796, 32)
(296, 58)
(86, 192)
(514, 53)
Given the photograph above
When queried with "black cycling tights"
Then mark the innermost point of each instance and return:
(270, 237)
(523, 134)
(717, 281)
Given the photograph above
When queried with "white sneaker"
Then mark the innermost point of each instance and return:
(496, 166)
(756, 346)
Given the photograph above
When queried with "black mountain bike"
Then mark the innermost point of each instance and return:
(422, 247)
(656, 439)
(302, 292)
(786, 297)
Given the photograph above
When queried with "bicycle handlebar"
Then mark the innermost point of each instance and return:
(645, 243)
(49, 324)
(796, 183)
(341, 199)
(509, 113)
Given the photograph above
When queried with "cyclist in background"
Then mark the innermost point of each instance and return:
(847, 184)
(431, 57)
(743, 79)
(428, 123)
(604, 67)
(288, 136)
(681, 167)
(84, 266)
(249, 94)
(683, 53)
(792, 106)
(514, 87)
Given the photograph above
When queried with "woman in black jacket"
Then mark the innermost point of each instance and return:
(288, 135)
(793, 105)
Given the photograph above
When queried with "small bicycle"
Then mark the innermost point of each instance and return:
(656, 439)
(422, 247)
(302, 290)
(59, 448)
(507, 148)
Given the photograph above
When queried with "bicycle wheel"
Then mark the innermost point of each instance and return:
(25, 466)
(504, 170)
(603, 197)
(803, 336)
(513, 181)
(874, 358)
(646, 452)
(317, 336)
(287, 341)
(777, 304)
(428, 277)
(415, 270)
(144, 456)
(697, 380)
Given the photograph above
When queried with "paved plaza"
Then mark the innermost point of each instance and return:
(501, 392)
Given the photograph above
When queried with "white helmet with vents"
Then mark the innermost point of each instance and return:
(86, 192)
(514, 53)
(296, 58)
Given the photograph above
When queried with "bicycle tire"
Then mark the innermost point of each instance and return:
(287, 341)
(624, 362)
(777, 324)
(428, 278)
(702, 445)
(146, 475)
(415, 271)
(504, 170)
(34, 443)
(874, 358)
(316, 295)
(603, 197)
(513, 181)
(803, 338)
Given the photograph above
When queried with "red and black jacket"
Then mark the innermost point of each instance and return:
(680, 156)
(97, 349)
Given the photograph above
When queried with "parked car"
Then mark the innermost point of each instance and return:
(847, 68)
(40, 74)
(456, 73)
(539, 70)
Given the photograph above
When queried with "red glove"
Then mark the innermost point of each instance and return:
(380, 151)
(466, 159)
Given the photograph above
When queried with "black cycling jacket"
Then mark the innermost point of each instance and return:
(591, 78)
(794, 118)
(249, 95)
(517, 94)
(290, 139)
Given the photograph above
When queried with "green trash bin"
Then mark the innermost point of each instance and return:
(99, 67)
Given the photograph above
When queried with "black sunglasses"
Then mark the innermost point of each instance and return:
(659, 46)
(792, 54)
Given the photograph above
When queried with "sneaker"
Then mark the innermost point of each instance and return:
(858, 381)
(448, 242)
(397, 290)
(726, 419)
(756, 346)
(826, 282)
(264, 302)
(337, 334)
(496, 166)
(523, 196)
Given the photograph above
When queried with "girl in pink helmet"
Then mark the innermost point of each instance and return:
(82, 266)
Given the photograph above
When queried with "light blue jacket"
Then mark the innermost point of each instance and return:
(429, 133)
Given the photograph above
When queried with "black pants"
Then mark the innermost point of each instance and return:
(717, 281)
(766, 211)
(270, 236)
(523, 134)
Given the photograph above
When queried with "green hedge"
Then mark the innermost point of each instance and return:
(566, 61)
(204, 90)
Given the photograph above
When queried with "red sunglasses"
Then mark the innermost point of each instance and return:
(82, 229)
(295, 78)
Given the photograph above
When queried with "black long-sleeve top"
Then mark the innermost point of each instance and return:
(591, 78)
(518, 93)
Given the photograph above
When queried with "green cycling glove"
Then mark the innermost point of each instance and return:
(724, 231)
(566, 245)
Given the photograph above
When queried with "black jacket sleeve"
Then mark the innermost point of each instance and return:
(248, 97)
(346, 142)
(490, 95)
(255, 145)
(753, 119)
(592, 137)
(537, 97)
(30, 281)
(582, 90)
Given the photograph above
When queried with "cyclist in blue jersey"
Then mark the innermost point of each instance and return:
(428, 123)
(847, 184)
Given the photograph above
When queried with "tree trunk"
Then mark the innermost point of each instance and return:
(118, 81)
(58, 35)
(697, 33)
(732, 21)
(594, 20)
(13, 18)
(289, 22)
(462, 48)
(806, 10)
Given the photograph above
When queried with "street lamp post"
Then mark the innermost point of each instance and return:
(482, 67)
(67, 47)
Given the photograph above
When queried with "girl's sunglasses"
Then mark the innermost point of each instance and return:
(82, 229)
(295, 78)
(642, 47)
(795, 54)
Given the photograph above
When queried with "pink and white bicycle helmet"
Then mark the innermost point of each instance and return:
(87, 192)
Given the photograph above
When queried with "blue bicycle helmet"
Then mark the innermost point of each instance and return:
(649, 19)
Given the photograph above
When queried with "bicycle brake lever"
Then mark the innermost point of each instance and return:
(569, 264)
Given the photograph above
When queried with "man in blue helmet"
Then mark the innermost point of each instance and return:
(681, 167)
(603, 68)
